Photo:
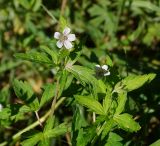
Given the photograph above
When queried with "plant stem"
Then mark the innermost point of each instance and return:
(94, 117)
(42, 119)
(55, 98)
(36, 112)
(63, 6)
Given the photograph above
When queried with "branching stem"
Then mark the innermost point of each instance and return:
(42, 119)
(36, 112)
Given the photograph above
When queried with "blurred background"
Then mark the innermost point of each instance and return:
(126, 30)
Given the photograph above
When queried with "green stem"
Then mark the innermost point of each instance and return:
(55, 98)
(31, 126)
(42, 119)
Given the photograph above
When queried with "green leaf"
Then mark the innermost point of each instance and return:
(107, 128)
(48, 94)
(50, 52)
(122, 98)
(77, 122)
(24, 91)
(45, 142)
(114, 140)
(25, 3)
(109, 61)
(33, 140)
(83, 74)
(19, 114)
(126, 122)
(76, 53)
(107, 102)
(156, 143)
(4, 94)
(49, 124)
(34, 56)
(5, 113)
(146, 5)
(8, 65)
(133, 82)
(86, 135)
(91, 103)
(63, 80)
(78, 119)
(37, 5)
(57, 131)
(63, 23)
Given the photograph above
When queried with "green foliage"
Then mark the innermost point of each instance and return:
(126, 122)
(51, 53)
(7, 66)
(156, 143)
(114, 140)
(83, 74)
(122, 98)
(132, 82)
(35, 57)
(91, 103)
(57, 131)
(58, 99)
(48, 94)
(43, 137)
(24, 91)
(33, 140)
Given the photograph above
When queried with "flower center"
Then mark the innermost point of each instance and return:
(63, 38)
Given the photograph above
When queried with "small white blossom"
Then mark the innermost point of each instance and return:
(102, 70)
(65, 38)
(1, 107)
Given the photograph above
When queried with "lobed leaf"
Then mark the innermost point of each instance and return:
(48, 94)
(50, 52)
(57, 131)
(107, 128)
(114, 140)
(133, 82)
(33, 140)
(122, 98)
(24, 91)
(34, 56)
(90, 103)
(126, 122)
(83, 74)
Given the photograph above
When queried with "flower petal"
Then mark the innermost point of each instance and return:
(59, 44)
(66, 31)
(68, 44)
(107, 74)
(105, 67)
(57, 35)
(97, 66)
(71, 37)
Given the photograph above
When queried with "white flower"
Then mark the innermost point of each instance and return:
(65, 38)
(1, 107)
(102, 70)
